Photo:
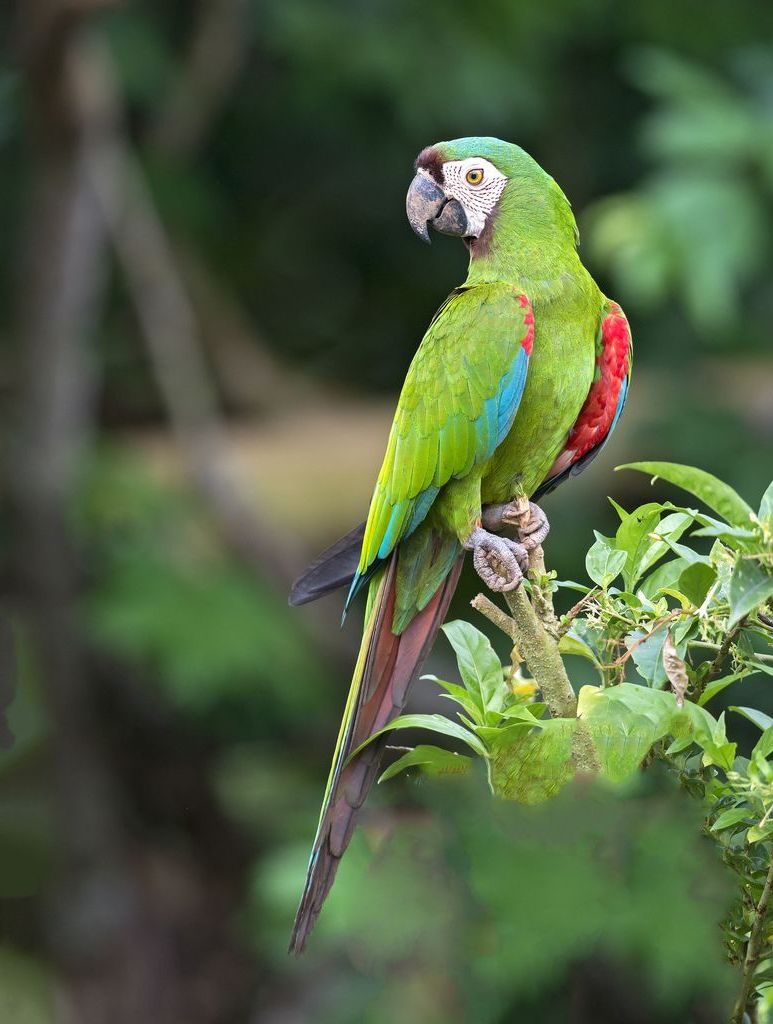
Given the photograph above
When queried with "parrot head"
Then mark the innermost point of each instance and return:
(468, 186)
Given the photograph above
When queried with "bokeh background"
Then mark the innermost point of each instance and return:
(209, 296)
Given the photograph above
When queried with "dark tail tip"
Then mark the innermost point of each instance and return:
(334, 568)
(299, 936)
(319, 881)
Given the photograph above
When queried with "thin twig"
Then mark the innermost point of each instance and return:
(567, 620)
(619, 662)
(717, 664)
(495, 615)
(716, 667)
(753, 949)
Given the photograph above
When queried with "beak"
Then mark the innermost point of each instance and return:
(427, 203)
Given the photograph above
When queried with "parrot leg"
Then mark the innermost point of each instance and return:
(499, 561)
(496, 517)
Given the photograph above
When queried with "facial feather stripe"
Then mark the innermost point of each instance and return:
(478, 200)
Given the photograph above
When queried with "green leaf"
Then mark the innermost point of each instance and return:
(728, 818)
(696, 581)
(758, 832)
(433, 761)
(570, 643)
(759, 718)
(759, 666)
(530, 767)
(533, 712)
(479, 667)
(673, 592)
(764, 745)
(717, 686)
(665, 576)
(669, 529)
(619, 509)
(458, 694)
(709, 489)
(765, 513)
(710, 736)
(591, 635)
(452, 689)
(633, 537)
(435, 723)
(647, 655)
(495, 734)
(725, 533)
(680, 744)
(604, 561)
(624, 721)
(690, 556)
(581, 588)
(750, 587)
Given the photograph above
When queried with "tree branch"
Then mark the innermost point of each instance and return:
(533, 628)
(541, 654)
(536, 631)
(753, 949)
(495, 615)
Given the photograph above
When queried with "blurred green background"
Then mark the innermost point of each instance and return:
(209, 296)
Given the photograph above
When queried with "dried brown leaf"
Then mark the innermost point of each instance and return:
(676, 670)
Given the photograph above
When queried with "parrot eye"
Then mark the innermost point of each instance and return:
(474, 176)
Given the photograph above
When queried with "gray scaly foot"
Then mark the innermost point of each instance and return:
(499, 561)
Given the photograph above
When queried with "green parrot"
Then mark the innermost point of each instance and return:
(517, 385)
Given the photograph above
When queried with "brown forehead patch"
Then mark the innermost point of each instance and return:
(430, 160)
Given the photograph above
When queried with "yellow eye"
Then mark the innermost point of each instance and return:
(474, 176)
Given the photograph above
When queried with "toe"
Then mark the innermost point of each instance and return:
(520, 552)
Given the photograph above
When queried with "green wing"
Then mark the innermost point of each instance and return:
(458, 402)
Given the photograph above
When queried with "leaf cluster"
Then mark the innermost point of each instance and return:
(680, 610)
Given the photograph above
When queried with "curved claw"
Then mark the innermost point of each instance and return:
(498, 561)
(536, 529)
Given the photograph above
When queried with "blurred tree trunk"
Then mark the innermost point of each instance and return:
(60, 290)
(122, 947)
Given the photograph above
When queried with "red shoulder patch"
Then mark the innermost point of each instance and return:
(598, 412)
(528, 319)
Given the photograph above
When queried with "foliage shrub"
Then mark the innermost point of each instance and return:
(678, 613)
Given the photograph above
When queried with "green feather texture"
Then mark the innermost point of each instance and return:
(459, 399)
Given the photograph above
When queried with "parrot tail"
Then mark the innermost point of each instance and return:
(334, 568)
(385, 667)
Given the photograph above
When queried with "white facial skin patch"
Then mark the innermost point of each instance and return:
(477, 185)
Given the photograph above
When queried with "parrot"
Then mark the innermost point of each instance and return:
(516, 386)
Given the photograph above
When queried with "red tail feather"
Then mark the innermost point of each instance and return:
(391, 664)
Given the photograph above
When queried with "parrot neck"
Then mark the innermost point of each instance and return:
(530, 240)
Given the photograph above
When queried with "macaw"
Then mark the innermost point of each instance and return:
(516, 386)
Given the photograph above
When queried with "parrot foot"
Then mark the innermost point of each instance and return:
(500, 562)
(497, 517)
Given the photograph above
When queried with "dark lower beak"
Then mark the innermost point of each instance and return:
(426, 203)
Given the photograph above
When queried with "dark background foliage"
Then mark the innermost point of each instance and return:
(209, 297)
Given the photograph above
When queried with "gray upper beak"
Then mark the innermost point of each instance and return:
(426, 203)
